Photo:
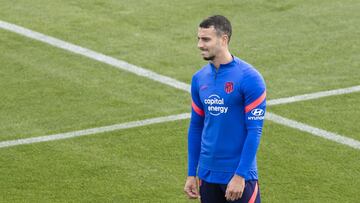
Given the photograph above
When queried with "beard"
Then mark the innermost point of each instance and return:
(209, 58)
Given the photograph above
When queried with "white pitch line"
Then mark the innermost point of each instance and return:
(153, 76)
(312, 130)
(91, 131)
(123, 65)
(315, 95)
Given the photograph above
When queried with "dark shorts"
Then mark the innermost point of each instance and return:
(215, 193)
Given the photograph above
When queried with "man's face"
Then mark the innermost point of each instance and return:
(209, 42)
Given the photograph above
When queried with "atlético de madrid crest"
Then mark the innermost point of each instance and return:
(229, 87)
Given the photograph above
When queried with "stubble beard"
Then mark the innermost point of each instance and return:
(209, 58)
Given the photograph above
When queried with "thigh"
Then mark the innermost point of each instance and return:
(211, 193)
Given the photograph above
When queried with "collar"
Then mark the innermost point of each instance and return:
(227, 65)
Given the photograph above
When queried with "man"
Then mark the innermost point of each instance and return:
(228, 106)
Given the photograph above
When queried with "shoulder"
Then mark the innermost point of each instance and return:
(251, 79)
(205, 70)
(248, 71)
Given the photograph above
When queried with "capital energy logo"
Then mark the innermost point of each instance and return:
(257, 114)
(216, 105)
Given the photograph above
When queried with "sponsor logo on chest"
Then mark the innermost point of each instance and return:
(216, 105)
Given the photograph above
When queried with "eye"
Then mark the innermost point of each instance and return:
(205, 39)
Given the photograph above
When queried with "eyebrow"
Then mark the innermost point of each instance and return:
(203, 37)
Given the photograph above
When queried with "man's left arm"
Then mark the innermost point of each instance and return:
(255, 107)
(254, 92)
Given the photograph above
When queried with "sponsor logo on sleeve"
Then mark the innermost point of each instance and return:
(257, 114)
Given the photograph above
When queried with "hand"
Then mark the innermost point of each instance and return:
(191, 188)
(235, 188)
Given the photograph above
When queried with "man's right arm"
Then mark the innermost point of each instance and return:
(194, 141)
(195, 129)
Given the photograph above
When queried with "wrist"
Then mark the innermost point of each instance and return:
(240, 173)
(239, 177)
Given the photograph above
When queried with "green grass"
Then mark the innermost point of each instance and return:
(298, 167)
(338, 114)
(298, 46)
(46, 90)
(141, 164)
(149, 164)
(302, 45)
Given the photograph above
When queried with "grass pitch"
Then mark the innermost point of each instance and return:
(298, 46)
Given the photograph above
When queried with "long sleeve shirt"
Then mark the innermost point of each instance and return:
(228, 109)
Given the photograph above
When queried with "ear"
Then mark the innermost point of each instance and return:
(225, 40)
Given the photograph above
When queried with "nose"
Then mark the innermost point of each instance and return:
(200, 45)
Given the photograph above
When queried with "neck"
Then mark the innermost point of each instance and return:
(222, 58)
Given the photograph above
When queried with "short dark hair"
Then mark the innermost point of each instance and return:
(221, 24)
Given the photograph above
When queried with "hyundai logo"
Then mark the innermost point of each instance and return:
(257, 112)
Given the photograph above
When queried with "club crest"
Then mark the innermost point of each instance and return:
(229, 87)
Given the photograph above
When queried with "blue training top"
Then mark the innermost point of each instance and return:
(228, 109)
